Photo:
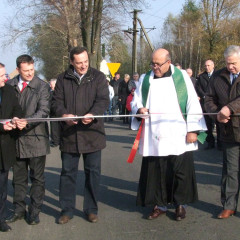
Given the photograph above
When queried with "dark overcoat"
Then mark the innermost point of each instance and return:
(9, 108)
(222, 93)
(79, 97)
(201, 86)
(33, 141)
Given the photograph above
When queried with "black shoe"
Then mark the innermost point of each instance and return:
(15, 217)
(33, 220)
(4, 227)
(180, 213)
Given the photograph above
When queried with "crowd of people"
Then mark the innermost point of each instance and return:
(120, 93)
(188, 108)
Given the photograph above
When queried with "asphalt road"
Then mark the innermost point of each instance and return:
(119, 218)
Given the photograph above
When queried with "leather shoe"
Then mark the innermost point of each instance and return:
(225, 214)
(64, 219)
(180, 213)
(33, 220)
(4, 227)
(15, 217)
(155, 213)
(93, 218)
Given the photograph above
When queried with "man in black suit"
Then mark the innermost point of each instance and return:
(201, 88)
(9, 109)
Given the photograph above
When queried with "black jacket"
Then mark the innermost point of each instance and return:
(123, 92)
(72, 96)
(201, 86)
(115, 85)
(35, 102)
(222, 93)
(9, 108)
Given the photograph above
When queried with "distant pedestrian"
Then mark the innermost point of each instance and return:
(203, 81)
(123, 93)
(134, 82)
(116, 106)
(190, 74)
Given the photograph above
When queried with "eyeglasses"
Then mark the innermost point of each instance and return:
(152, 64)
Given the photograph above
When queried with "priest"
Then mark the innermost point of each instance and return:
(169, 136)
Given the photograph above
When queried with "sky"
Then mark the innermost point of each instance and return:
(153, 16)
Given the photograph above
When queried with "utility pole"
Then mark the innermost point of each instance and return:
(134, 32)
(141, 50)
(134, 47)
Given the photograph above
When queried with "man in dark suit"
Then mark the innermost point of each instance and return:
(9, 109)
(201, 88)
(33, 143)
(223, 98)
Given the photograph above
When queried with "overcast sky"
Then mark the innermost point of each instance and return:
(152, 17)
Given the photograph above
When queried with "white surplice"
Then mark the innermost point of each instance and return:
(164, 132)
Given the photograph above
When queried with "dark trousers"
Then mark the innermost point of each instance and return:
(230, 175)
(3, 193)
(55, 133)
(115, 105)
(210, 126)
(20, 184)
(125, 112)
(68, 182)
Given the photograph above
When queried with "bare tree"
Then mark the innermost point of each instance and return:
(83, 20)
(217, 13)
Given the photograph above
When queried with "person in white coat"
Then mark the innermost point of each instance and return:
(168, 136)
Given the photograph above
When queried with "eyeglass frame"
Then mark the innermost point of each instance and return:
(159, 65)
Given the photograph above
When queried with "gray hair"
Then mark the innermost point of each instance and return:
(231, 50)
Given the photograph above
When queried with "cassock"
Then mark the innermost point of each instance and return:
(167, 173)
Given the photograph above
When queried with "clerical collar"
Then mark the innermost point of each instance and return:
(166, 74)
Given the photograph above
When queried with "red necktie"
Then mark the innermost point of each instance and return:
(24, 85)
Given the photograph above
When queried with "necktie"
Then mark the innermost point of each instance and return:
(234, 78)
(209, 75)
(24, 85)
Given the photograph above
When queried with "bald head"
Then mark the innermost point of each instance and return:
(161, 61)
(162, 52)
(209, 66)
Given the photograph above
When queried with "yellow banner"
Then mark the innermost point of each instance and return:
(113, 67)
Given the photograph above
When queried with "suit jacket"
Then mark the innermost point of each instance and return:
(201, 86)
(35, 102)
(222, 93)
(9, 108)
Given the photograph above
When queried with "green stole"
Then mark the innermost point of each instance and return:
(182, 95)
